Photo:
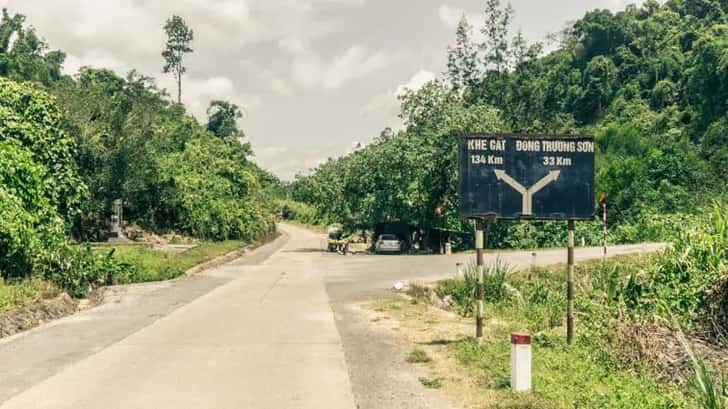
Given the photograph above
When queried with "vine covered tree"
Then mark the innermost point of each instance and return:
(179, 38)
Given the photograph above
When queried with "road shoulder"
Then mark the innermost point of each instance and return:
(35, 355)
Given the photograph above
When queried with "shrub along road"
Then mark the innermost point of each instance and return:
(274, 329)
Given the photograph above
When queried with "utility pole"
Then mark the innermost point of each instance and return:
(570, 286)
(479, 222)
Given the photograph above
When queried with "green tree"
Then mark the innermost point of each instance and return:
(462, 58)
(222, 119)
(708, 77)
(497, 21)
(179, 38)
(23, 55)
(600, 77)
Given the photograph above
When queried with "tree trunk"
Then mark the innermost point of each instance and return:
(179, 88)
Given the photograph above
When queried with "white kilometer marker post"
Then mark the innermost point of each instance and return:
(527, 193)
(521, 362)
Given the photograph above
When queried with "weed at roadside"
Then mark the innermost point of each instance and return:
(431, 383)
(418, 356)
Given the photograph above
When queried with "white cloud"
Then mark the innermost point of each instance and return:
(93, 59)
(274, 82)
(288, 162)
(387, 103)
(450, 16)
(416, 82)
(198, 92)
(310, 71)
(271, 151)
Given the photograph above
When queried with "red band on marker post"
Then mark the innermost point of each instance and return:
(519, 338)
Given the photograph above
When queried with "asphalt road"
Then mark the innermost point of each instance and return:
(277, 328)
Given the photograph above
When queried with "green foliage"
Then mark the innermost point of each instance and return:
(400, 177)
(64, 160)
(711, 388)
(563, 377)
(139, 264)
(18, 240)
(76, 270)
(671, 285)
(418, 356)
(39, 181)
(212, 193)
(680, 279)
(23, 55)
(431, 383)
(13, 295)
(30, 118)
(649, 82)
(300, 212)
(222, 119)
(462, 290)
(168, 170)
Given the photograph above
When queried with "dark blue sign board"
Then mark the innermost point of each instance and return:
(527, 176)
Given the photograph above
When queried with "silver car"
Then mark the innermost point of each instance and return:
(388, 243)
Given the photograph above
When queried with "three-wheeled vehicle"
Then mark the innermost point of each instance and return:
(336, 241)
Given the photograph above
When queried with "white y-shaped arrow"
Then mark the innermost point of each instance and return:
(527, 193)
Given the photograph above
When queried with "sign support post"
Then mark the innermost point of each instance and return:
(604, 230)
(570, 286)
(526, 177)
(479, 241)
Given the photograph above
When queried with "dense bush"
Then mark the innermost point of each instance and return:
(300, 212)
(680, 281)
(30, 118)
(18, 240)
(38, 184)
(214, 196)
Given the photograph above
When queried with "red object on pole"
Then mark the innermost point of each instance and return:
(520, 338)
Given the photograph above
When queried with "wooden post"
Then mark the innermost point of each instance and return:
(570, 286)
(481, 270)
(604, 230)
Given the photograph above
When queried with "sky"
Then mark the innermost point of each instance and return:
(315, 77)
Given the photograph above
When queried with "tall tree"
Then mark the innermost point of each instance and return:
(495, 29)
(179, 38)
(462, 58)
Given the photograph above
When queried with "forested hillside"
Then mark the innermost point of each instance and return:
(650, 83)
(71, 146)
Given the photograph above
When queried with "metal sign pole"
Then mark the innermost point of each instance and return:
(481, 270)
(570, 286)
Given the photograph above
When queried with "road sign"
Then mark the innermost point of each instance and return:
(527, 176)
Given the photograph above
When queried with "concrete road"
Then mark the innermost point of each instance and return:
(275, 329)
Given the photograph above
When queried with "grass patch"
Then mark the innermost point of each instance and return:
(563, 377)
(584, 375)
(15, 295)
(135, 264)
(431, 383)
(418, 356)
(144, 264)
